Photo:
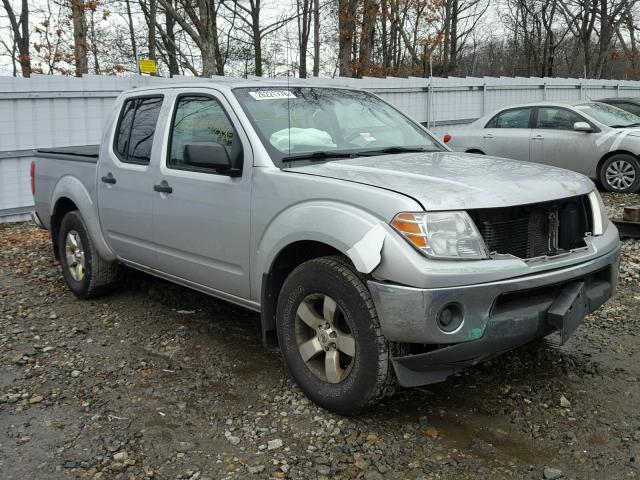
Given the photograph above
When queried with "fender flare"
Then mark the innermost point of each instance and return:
(333, 223)
(73, 189)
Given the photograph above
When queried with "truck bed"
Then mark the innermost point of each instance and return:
(79, 153)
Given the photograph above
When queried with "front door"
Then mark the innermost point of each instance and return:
(125, 183)
(555, 142)
(201, 217)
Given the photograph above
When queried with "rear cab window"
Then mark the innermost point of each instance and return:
(136, 129)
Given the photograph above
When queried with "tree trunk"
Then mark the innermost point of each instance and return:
(132, 34)
(316, 38)
(346, 31)
(384, 40)
(153, 18)
(453, 50)
(304, 30)
(172, 54)
(369, 16)
(446, 49)
(257, 45)
(79, 37)
(94, 45)
(20, 30)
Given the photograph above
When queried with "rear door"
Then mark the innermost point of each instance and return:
(555, 142)
(125, 182)
(507, 134)
(202, 218)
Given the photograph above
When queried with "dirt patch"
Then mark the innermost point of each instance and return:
(157, 381)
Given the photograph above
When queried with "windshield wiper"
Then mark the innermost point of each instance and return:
(318, 155)
(626, 126)
(388, 150)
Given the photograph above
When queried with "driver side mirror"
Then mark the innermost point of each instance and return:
(209, 155)
(582, 127)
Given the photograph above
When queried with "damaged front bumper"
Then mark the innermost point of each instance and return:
(494, 317)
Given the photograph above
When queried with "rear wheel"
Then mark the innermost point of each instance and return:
(85, 272)
(330, 336)
(621, 173)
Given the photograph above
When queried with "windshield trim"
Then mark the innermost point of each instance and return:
(284, 163)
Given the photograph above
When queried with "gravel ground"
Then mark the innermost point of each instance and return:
(157, 381)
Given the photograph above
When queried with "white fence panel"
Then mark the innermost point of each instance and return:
(50, 111)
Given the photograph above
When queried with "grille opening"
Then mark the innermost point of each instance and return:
(537, 229)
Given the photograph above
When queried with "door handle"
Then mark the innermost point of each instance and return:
(163, 187)
(109, 178)
(488, 135)
(537, 137)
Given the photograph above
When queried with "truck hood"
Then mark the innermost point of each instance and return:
(456, 181)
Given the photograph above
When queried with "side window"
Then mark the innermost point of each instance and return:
(124, 128)
(136, 128)
(557, 118)
(513, 118)
(199, 119)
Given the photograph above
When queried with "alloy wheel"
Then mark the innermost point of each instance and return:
(324, 338)
(74, 252)
(621, 175)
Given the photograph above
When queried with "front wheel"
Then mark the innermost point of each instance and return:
(85, 272)
(330, 336)
(621, 173)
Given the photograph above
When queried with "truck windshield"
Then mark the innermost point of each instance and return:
(609, 115)
(296, 123)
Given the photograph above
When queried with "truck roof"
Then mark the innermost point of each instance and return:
(223, 84)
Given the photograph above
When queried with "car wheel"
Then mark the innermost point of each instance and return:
(85, 272)
(621, 173)
(330, 336)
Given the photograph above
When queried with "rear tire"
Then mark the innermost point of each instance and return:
(87, 274)
(330, 337)
(621, 173)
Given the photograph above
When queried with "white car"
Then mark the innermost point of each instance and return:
(592, 138)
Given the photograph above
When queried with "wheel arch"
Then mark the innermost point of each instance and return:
(285, 261)
(70, 193)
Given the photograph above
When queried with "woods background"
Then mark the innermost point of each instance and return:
(352, 38)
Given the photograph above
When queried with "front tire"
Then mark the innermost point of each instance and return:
(621, 173)
(330, 337)
(87, 275)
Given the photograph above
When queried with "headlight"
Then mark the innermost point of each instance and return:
(599, 212)
(450, 235)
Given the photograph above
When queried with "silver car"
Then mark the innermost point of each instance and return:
(592, 138)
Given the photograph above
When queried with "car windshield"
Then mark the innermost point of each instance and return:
(609, 115)
(306, 123)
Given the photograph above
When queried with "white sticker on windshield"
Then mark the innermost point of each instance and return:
(271, 94)
(367, 136)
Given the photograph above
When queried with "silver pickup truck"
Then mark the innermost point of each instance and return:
(375, 255)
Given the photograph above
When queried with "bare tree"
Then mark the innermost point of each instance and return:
(347, 17)
(20, 31)
(79, 37)
(316, 38)
(304, 13)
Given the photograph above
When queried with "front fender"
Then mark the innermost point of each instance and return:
(338, 225)
(73, 189)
